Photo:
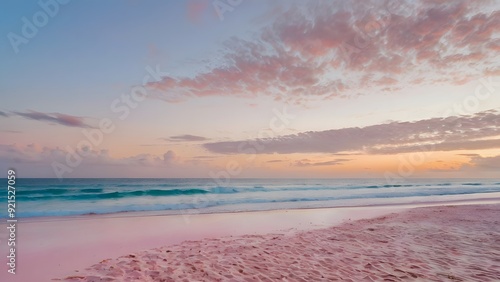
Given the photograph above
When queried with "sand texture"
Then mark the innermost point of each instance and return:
(449, 243)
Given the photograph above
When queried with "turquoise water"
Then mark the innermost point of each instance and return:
(51, 197)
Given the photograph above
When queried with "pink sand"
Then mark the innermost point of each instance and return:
(57, 246)
(51, 248)
(450, 243)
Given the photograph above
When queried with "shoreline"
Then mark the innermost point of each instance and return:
(47, 248)
(44, 199)
(190, 212)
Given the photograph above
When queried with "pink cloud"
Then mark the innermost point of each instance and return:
(333, 48)
(386, 81)
(492, 72)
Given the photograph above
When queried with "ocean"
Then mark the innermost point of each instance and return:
(70, 197)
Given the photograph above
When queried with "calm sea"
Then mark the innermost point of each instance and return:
(51, 197)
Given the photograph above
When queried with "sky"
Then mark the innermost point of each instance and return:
(237, 88)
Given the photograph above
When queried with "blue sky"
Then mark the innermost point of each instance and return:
(414, 63)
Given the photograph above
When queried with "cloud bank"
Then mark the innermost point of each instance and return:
(471, 132)
(488, 163)
(34, 153)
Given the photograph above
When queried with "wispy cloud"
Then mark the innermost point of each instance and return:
(3, 114)
(439, 134)
(186, 137)
(469, 155)
(57, 118)
(275, 161)
(335, 48)
(306, 162)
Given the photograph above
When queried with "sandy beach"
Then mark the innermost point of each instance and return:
(55, 247)
(389, 242)
(447, 243)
